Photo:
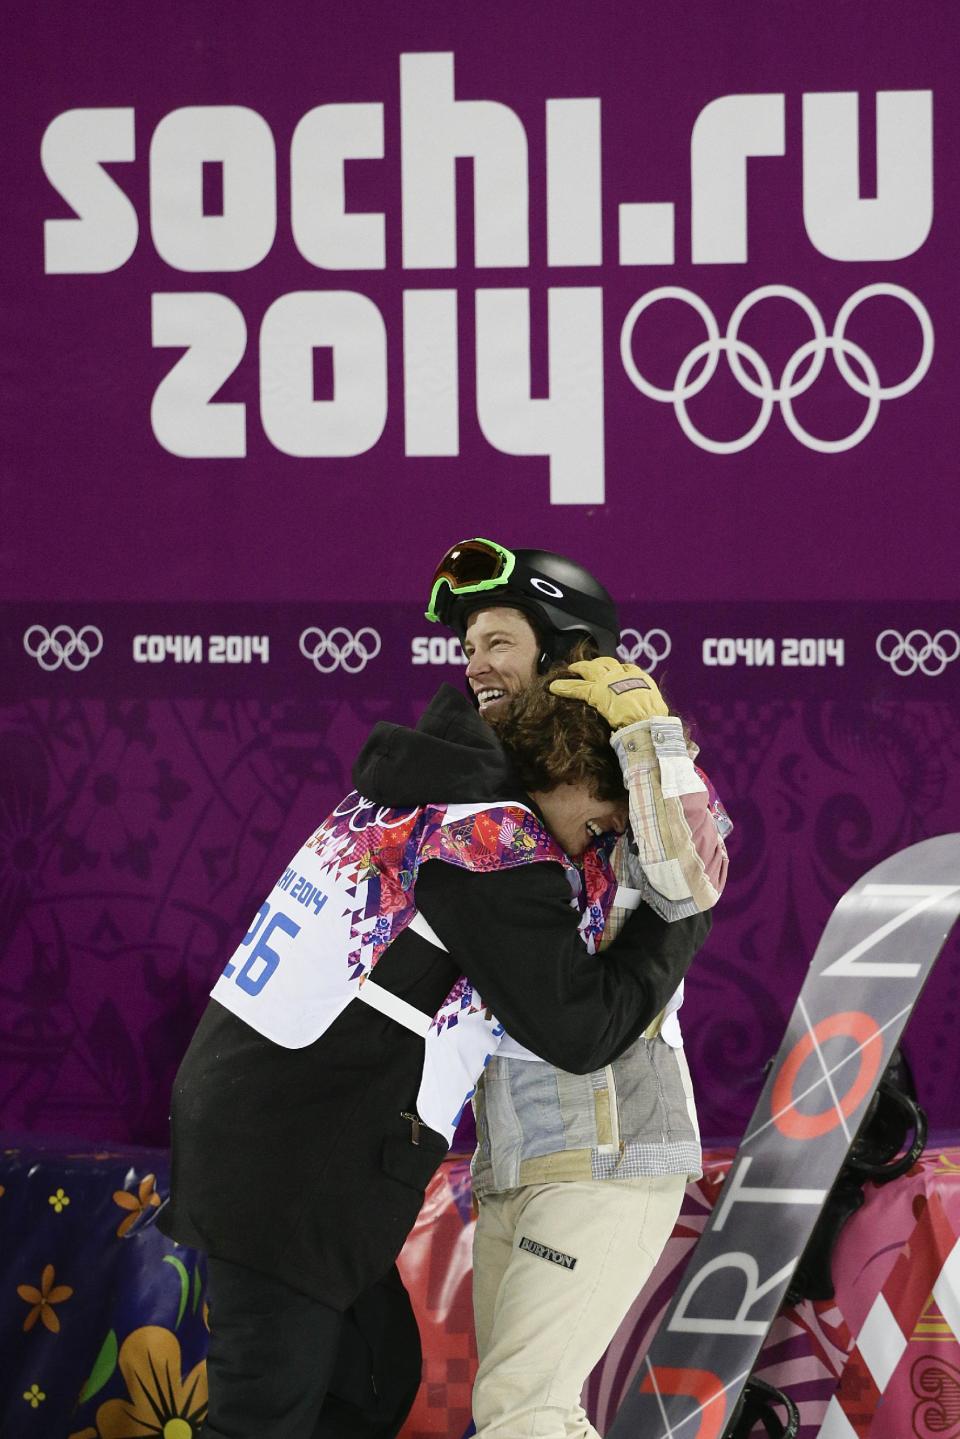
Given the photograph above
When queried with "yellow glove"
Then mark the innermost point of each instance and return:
(623, 694)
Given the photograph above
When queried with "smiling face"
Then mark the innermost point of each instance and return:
(574, 816)
(502, 652)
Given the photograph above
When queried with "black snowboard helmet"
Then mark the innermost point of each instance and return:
(562, 600)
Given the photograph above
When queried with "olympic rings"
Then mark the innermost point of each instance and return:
(339, 649)
(651, 647)
(917, 650)
(363, 813)
(63, 646)
(790, 386)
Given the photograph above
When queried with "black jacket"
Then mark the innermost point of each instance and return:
(297, 1162)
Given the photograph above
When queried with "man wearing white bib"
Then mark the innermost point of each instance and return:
(346, 1032)
(579, 1177)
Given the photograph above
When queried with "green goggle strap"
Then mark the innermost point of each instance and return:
(481, 585)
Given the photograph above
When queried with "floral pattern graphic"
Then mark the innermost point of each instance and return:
(59, 1201)
(43, 1300)
(162, 1402)
(101, 1381)
(34, 1396)
(137, 1204)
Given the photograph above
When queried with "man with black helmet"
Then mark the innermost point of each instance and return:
(517, 612)
(579, 1179)
(562, 600)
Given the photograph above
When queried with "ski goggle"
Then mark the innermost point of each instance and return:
(469, 568)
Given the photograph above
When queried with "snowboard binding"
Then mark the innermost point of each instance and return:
(758, 1404)
(892, 1116)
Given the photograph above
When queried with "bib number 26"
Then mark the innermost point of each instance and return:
(263, 958)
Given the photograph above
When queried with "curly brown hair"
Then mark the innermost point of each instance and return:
(553, 741)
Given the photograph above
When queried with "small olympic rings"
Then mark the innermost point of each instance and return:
(917, 650)
(63, 646)
(647, 650)
(339, 649)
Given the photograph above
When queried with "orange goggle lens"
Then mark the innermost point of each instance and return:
(467, 568)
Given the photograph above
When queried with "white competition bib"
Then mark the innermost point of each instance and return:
(316, 938)
(289, 978)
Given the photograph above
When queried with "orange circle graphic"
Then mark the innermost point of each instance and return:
(702, 1385)
(855, 1025)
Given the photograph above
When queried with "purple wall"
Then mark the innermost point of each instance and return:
(354, 432)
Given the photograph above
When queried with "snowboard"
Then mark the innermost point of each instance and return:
(879, 946)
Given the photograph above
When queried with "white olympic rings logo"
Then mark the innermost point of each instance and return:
(918, 650)
(762, 387)
(63, 646)
(362, 813)
(651, 647)
(339, 649)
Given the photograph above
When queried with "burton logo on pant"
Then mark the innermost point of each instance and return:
(543, 1251)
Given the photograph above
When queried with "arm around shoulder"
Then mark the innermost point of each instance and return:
(514, 934)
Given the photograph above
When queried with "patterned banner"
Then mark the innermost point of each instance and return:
(85, 1359)
(296, 304)
(906, 651)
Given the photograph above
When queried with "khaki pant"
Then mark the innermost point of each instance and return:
(555, 1269)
